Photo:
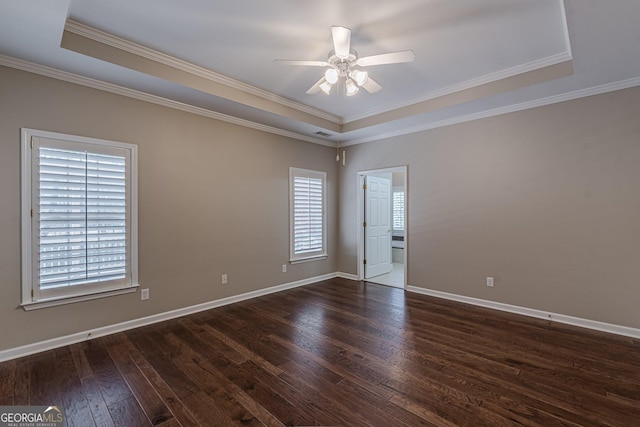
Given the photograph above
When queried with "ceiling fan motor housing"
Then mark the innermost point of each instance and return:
(343, 65)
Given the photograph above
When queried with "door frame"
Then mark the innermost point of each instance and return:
(360, 177)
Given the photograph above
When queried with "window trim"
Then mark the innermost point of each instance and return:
(316, 255)
(27, 191)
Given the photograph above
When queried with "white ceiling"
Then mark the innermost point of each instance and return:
(467, 53)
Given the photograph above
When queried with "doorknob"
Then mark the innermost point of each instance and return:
(389, 231)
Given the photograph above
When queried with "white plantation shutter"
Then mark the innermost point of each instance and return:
(398, 210)
(81, 218)
(307, 211)
(307, 214)
(82, 212)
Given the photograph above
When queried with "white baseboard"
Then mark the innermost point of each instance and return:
(14, 353)
(555, 317)
(347, 276)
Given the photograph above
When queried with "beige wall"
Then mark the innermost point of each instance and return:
(545, 200)
(213, 199)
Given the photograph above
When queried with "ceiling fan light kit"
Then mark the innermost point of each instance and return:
(360, 77)
(331, 76)
(325, 86)
(342, 62)
(351, 87)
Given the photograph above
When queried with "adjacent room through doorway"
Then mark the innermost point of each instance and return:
(382, 234)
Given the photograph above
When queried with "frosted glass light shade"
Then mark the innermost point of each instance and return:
(326, 87)
(351, 87)
(360, 77)
(331, 76)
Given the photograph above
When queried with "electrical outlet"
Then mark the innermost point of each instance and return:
(144, 294)
(224, 279)
(284, 268)
(490, 282)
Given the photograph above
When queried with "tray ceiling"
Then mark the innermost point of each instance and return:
(473, 58)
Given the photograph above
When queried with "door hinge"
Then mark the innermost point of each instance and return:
(31, 142)
(364, 224)
(364, 186)
(364, 261)
(31, 213)
(31, 293)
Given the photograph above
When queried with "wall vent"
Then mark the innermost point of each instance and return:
(324, 134)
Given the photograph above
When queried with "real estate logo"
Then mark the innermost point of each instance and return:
(31, 416)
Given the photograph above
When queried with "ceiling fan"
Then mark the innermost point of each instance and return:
(342, 63)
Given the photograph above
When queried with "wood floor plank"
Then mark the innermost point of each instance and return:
(369, 409)
(150, 342)
(127, 412)
(80, 361)
(232, 350)
(245, 353)
(7, 382)
(173, 402)
(370, 405)
(96, 403)
(150, 402)
(203, 373)
(43, 385)
(267, 397)
(112, 386)
(339, 352)
(302, 409)
(253, 336)
(21, 389)
(339, 369)
(75, 405)
(264, 416)
(206, 411)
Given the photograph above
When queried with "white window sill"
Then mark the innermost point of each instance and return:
(309, 259)
(52, 302)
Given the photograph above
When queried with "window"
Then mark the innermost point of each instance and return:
(79, 218)
(307, 214)
(398, 210)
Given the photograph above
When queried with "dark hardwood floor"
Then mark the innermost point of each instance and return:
(339, 353)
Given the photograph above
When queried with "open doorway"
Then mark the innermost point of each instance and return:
(382, 236)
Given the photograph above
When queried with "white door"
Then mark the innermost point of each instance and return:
(377, 249)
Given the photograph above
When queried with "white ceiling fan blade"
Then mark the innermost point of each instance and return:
(341, 41)
(316, 87)
(305, 63)
(371, 86)
(387, 58)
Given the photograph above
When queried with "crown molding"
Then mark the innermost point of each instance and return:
(469, 84)
(569, 96)
(565, 21)
(142, 96)
(171, 61)
(54, 73)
